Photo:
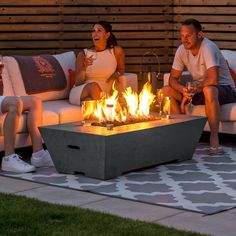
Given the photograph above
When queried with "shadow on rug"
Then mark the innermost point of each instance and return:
(205, 184)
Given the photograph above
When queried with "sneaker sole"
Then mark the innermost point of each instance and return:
(18, 171)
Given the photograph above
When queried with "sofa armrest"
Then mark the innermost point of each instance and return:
(128, 80)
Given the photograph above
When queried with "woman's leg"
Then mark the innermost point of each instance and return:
(91, 91)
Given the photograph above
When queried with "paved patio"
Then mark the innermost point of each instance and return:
(221, 224)
(218, 224)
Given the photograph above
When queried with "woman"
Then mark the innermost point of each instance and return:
(97, 67)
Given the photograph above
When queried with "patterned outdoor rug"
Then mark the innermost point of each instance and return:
(205, 184)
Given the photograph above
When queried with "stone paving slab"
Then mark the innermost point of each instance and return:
(131, 209)
(62, 196)
(11, 185)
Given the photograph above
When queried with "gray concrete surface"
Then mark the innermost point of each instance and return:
(221, 224)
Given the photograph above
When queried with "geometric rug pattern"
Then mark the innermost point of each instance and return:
(205, 184)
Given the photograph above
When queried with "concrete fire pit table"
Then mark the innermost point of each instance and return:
(100, 153)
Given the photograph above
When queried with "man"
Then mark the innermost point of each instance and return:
(13, 107)
(204, 61)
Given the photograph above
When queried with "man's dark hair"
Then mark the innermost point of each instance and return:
(196, 24)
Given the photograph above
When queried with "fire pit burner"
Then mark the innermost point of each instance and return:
(129, 121)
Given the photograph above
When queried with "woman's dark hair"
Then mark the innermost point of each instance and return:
(196, 24)
(111, 41)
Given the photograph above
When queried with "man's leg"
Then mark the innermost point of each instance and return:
(176, 98)
(212, 107)
(33, 106)
(13, 107)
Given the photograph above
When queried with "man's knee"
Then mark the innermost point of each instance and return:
(166, 90)
(14, 105)
(35, 102)
(210, 93)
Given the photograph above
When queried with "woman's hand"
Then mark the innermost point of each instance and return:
(114, 76)
(87, 61)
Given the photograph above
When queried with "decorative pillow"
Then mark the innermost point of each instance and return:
(71, 78)
(66, 60)
(41, 73)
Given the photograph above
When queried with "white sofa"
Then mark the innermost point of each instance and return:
(228, 111)
(56, 107)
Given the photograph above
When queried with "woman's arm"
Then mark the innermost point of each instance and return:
(80, 69)
(120, 58)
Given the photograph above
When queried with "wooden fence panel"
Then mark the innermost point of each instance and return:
(52, 26)
(217, 17)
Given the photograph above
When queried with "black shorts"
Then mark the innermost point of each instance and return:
(226, 95)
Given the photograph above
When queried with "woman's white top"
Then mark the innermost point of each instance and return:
(100, 71)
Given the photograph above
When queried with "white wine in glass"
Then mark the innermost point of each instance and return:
(191, 90)
(159, 98)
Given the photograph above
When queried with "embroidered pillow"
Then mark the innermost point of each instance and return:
(41, 73)
(66, 60)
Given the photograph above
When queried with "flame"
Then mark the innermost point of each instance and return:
(146, 98)
(109, 109)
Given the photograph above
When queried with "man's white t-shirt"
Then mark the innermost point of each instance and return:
(208, 56)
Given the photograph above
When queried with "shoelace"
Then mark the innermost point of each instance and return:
(18, 159)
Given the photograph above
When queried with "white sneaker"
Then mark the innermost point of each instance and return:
(13, 163)
(44, 160)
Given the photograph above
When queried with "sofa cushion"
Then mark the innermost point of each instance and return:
(66, 111)
(7, 85)
(66, 60)
(227, 113)
(233, 74)
(230, 56)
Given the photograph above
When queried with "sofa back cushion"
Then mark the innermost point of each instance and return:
(230, 57)
(7, 85)
(66, 60)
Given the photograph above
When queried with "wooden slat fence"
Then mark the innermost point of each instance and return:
(32, 27)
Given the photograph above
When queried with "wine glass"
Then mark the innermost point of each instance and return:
(159, 98)
(83, 108)
(191, 90)
(91, 54)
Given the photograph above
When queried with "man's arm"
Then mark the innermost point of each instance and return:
(173, 80)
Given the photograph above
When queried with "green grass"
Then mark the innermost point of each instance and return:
(24, 216)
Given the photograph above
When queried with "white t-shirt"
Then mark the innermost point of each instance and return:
(208, 56)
